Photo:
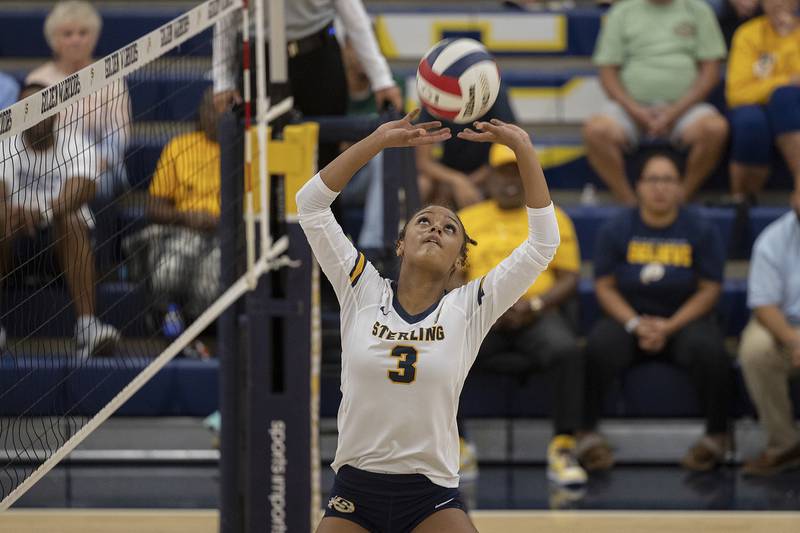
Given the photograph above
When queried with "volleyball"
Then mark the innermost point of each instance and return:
(458, 80)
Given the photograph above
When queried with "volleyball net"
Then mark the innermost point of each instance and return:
(110, 218)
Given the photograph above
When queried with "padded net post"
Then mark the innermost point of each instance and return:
(110, 212)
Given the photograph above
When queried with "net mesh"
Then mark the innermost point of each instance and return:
(109, 226)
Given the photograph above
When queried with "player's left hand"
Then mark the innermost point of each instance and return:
(497, 131)
(389, 96)
(400, 133)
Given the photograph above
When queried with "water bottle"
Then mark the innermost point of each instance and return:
(173, 322)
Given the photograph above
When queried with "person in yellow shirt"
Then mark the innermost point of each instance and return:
(763, 90)
(184, 207)
(534, 335)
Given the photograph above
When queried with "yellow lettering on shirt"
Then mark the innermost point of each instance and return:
(678, 254)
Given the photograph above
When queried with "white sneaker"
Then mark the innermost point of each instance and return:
(562, 466)
(94, 338)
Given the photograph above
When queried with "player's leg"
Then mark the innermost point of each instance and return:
(607, 135)
(704, 131)
(332, 524)
(447, 520)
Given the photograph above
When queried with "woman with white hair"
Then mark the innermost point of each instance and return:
(72, 28)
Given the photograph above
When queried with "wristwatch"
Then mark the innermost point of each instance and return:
(632, 324)
(537, 304)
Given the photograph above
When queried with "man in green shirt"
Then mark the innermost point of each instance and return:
(658, 61)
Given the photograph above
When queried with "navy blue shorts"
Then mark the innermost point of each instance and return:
(387, 503)
(753, 127)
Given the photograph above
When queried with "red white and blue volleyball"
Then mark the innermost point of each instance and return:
(458, 80)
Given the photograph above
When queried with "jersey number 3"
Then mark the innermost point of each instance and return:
(406, 365)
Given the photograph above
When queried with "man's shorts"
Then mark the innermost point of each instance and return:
(634, 135)
(387, 503)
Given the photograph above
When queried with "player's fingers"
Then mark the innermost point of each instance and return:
(470, 135)
(431, 138)
(412, 116)
(497, 122)
(429, 125)
(486, 126)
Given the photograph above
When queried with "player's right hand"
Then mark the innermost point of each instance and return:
(401, 133)
(224, 100)
(497, 131)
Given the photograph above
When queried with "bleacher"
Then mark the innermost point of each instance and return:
(553, 89)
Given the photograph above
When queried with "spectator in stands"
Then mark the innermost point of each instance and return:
(658, 60)
(48, 178)
(763, 90)
(770, 347)
(314, 57)
(534, 334)
(658, 276)
(734, 13)
(72, 29)
(9, 90)
(184, 205)
(459, 177)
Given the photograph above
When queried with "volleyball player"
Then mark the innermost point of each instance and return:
(407, 345)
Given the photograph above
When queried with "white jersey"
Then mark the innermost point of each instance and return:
(402, 375)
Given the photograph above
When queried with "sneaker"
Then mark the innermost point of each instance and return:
(95, 338)
(707, 453)
(770, 464)
(468, 460)
(562, 466)
(594, 452)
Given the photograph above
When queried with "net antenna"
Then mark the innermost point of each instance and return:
(65, 99)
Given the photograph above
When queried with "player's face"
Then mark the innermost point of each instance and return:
(74, 41)
(433, 239)
(659, 188)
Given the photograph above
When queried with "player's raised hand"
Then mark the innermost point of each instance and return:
(404, 132)
(497, 131)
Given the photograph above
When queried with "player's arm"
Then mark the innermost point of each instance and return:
(337, 256)
(509, 280)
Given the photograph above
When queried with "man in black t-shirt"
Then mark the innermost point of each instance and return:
(457, 179)
(658, 276)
